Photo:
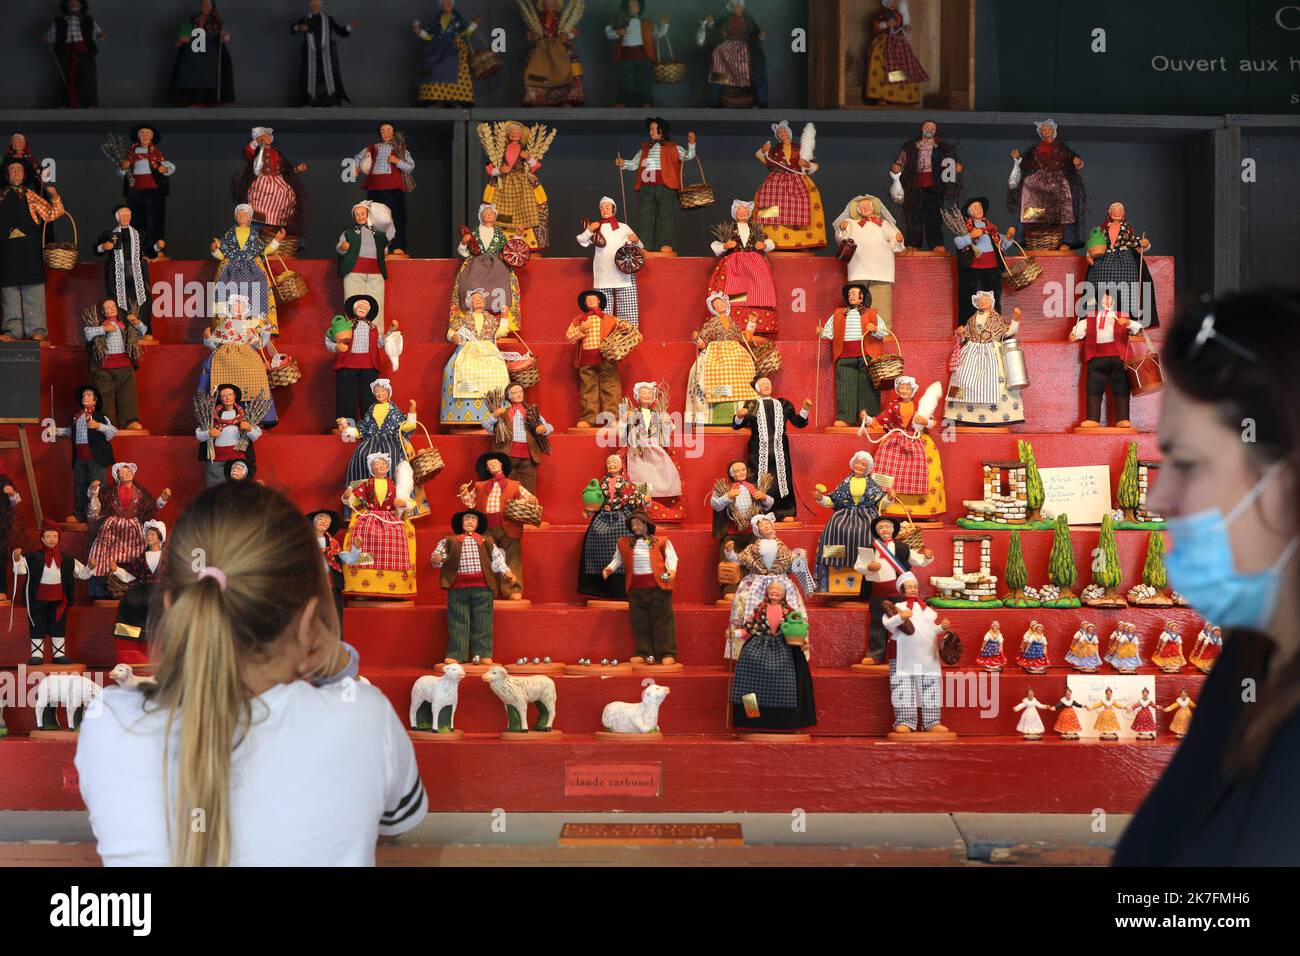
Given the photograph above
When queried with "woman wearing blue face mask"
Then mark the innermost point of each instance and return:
(1230, 490)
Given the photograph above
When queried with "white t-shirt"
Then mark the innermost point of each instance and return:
(321, 774)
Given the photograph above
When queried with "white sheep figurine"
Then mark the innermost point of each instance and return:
(124, 676)
(433, 700)
(642, 718)
(517, 692)
(74, 692)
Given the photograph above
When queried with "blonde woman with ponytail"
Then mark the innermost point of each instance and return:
(235, 757)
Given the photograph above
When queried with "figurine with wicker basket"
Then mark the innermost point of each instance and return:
(508, 506)
(444, 76)
(599, 388)
(660, 187)
(646, 435)
(514, 153)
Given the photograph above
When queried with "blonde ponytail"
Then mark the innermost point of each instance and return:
(207, 626)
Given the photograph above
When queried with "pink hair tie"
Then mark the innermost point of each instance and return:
(214, 572)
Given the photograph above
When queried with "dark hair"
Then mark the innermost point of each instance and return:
(1261, 385)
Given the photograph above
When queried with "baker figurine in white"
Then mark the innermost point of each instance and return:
(915, 672)
(608, 235)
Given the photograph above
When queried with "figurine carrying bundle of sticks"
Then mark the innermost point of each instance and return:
(226, 426)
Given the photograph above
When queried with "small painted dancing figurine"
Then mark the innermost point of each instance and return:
(991, 656)
(1209, 643)
(1030, 725)
(1033, 650)
(1083, 653)
(1183, 718)
(1123, 652)
(1067, 717)
(1107, 723)
(1169, 649)
(1144, 717)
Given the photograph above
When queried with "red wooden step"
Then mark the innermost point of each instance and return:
(995, 774)
(671, 293)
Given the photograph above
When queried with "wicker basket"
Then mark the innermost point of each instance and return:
(288, 246)
(884, 370)
(483, 63)
(285, 373)
(697, 196)
(1023, 271)
(289, 285)
(737, 97)
(728, 572)
(1043, 239)
(60, 255)
(767, 359)
(523, 372)
(669, 70)
(620, 342)
(524, 511)
(910, 535)
(427, 462)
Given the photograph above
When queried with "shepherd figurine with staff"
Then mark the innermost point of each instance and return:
(73, 38)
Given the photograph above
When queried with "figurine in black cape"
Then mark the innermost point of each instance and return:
(126, 251)
(768, 450)
(75, 37)
(920, 173)
(203, 74)
(320, 77)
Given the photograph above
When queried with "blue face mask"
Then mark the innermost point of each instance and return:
(1202, 569)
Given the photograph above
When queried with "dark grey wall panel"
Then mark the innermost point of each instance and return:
(1270, 224)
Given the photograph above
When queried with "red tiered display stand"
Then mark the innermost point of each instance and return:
(848, 765)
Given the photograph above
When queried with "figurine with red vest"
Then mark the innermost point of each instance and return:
(1104, 334)
(386, 169)
(599, 388)
(658, 168)
(856, 332)
(649, 565)
(50, 580)
(491, 495)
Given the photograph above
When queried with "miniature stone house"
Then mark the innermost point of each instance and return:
(1005, 495)
(1147, 468)
(979, 585)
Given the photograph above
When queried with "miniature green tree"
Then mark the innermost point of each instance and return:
(1060, 564)
(1033, 482)
(1106, 571)
(1015, 576)
(1153, 572)
(1129, 493)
